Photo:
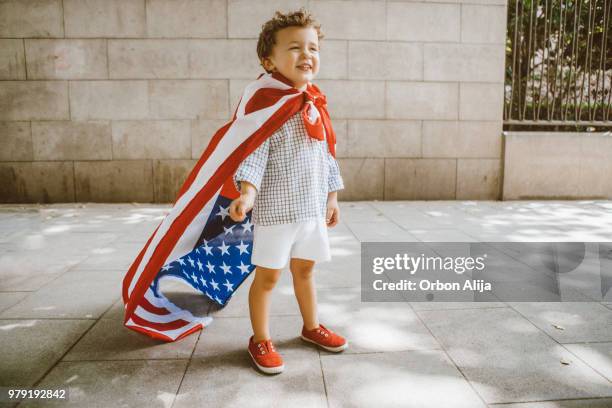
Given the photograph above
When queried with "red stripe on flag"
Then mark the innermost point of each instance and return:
(127, 279)
(266, 97)
(151, 308)
(173, 325)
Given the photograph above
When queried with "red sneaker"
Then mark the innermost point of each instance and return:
(323, 337)
(265, 356)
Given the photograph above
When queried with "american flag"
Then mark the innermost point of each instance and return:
(197, 242)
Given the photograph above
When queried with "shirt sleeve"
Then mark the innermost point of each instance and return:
(335, 181)
(253, 166)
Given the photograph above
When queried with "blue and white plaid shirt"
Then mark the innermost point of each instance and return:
(293, 174)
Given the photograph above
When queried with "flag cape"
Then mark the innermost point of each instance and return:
(197, 242)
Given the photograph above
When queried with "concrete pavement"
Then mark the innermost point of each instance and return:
(61, 268)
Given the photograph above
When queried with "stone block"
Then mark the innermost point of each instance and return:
(483, 24)
(16, 141)
(420, 179)
(224, 59)
(109, 100)
(423, 22)
(566, 165)
(12, 59)
(478, 179)
(114, 181)
(66, 59)
(31, 18)
(481, 101)
(148, 59)
(36, 182)
(464, 62)
(383, 138)
(109, 18)
(202, 131)
(422, 100)
(333, 59)
(66, 140)
(186, 18)
(245, 21)
(151, 139)
(354, 99)
(169, 176)
(363, 179)
(340, 128)
(188, 99)
(480, 139)
(353, 14)
(35, 100)
(385, 60)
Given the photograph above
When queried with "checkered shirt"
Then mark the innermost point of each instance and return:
(293, 174)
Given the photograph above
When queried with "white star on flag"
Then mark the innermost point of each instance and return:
(244, 269)
(246, 227)
(224, 248)
(242, 247)
(226, 268)
(229, 286)
(223, 212)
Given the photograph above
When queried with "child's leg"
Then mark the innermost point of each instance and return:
(259, 301)
(305, 292)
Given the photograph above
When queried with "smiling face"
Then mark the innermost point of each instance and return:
(295, 55)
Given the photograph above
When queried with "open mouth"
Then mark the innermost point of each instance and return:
(304, 67)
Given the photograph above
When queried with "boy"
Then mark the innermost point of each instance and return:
(290, 181)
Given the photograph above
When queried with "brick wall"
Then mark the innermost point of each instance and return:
(114, 100)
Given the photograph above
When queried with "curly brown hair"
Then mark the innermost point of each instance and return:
(267, 37)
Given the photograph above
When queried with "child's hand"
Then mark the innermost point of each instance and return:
(333, 211)
(240, 206)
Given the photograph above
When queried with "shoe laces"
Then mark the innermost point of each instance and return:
(324, 331)
(265, 346)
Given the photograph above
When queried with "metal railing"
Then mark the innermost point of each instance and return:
(558, 64)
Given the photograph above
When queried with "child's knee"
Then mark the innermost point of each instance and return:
(267, 277)
(301, 268)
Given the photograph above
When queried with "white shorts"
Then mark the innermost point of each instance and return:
(274, 245)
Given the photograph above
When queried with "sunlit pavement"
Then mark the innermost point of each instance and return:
(61, 268)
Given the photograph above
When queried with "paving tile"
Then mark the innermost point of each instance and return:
(441, 235)
(8, 299)
(109, 339)
(115, 383)
(116, 255)
(31, 347)
(597, 355)
(372, 326)
(231, 380)
(380, 231)
(507, 359)
(581, 403)
(72, 295)
(420, 379)
(226, 335)
(455, 305)
(22, 272)
(581, 321)
(360, 211)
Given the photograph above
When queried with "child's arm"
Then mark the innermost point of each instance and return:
(335, 183)
(247, 180)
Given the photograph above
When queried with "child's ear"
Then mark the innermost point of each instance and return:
(268, 65)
